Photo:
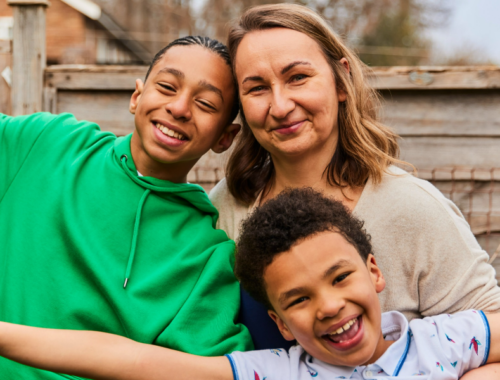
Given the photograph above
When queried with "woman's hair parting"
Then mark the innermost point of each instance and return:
(209, 43)
(284, 221)
(365, 146)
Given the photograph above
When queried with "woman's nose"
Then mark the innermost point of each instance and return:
(281, 104)
(179, 108)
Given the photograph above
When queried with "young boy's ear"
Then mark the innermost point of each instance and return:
(375, 273)
(226, 139)
(134, 100)
(287, 334)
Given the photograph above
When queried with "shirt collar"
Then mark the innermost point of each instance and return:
(396, 326)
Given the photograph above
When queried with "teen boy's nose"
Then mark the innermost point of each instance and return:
(179, 107)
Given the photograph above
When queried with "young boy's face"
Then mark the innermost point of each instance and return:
(182, 110)
(325, 296)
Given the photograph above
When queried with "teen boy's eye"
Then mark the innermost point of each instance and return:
(207, 105)
(166, 87)
(340, 278)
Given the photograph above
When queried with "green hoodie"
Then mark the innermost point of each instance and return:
(76, 221)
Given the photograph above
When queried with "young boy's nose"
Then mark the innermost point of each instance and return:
(179, 107)
(329, 306)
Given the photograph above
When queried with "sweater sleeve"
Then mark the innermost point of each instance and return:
(458, 276)
(18, 135)
(205, 325)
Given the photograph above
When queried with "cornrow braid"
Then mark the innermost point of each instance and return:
(209, 43)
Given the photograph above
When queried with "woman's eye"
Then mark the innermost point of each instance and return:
(340, 278)
(299, 77)
(256, 89)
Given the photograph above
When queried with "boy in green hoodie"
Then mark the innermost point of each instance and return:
(104, 233)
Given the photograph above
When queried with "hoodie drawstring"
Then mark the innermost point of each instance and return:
(137, 222)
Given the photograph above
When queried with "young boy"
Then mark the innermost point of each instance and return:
(310, 262)
(104, 233)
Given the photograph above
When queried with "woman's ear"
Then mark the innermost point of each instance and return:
(287, 334)
(134, 100)
(341, 94)
(226, 139)
(375, 273)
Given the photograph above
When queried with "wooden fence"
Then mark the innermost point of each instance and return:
(448, 119)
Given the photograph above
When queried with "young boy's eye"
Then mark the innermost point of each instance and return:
(297, 301)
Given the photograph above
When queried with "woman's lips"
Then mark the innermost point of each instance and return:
(350, 338)
(289, 129)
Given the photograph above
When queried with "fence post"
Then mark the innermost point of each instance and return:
(29, 55)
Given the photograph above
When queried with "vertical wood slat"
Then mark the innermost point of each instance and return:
(29, 55)
(5, 92)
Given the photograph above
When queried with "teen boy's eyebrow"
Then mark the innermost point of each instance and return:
(210, 87)
(172, 71)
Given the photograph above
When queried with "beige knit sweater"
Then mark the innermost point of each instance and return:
(431, 261)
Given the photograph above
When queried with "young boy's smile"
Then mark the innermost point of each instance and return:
(182, 111)
(325, 296)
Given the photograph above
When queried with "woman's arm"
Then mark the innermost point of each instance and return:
(100, 355)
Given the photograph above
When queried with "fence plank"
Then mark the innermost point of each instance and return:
(29, 56)
(90, 77)
(433, 78)
(443, 112)
(5, 90)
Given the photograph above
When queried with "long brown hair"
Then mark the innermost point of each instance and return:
(365, 147)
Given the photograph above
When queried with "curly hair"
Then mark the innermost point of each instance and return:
(284, 221)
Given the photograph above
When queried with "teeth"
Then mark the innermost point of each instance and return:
(346, 327)
(170, 132)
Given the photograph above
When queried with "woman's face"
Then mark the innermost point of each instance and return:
(287, 90)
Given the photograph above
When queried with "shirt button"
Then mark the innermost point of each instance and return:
(368, 373)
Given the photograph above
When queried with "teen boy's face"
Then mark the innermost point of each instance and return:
(325, 296)
(182, 111)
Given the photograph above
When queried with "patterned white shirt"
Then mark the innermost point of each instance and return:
(441, 347)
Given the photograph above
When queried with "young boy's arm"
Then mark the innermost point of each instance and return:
(100, 355)
(494, 322)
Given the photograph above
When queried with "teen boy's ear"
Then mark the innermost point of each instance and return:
(226, 139)
(134, 100)
(284, 330)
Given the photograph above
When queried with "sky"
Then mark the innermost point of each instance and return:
(472, 23)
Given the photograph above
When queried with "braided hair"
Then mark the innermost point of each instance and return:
(209, 43)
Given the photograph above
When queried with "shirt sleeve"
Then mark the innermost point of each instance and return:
(464, 339)
(205, 325)
(17, 137)
(272, 364)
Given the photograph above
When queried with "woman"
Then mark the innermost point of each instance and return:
(309, 119)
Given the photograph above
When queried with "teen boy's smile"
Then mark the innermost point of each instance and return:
(329, 304)
(181, 112)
